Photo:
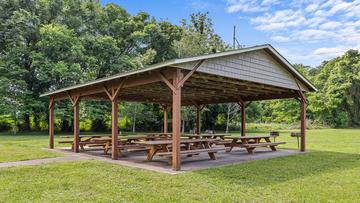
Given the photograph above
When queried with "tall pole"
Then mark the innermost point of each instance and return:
(198, 120)
(176, 120)
(234, 37)
(243, 117)
(76, 126)
(303, 125)
(114, 128)
(165, 118)
(51, 124)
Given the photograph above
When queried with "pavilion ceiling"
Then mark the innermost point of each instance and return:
(200, 88)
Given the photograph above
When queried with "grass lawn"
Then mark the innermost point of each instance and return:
(329, 172)
(19, 148)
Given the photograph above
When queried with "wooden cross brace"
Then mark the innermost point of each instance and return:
(74, 99)
(115, 92)
(246, 104)
(51, 103)
(183, 80)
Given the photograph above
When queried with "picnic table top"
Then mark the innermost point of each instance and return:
(158, 133)
(205, 135)
(124, 137)
(182, 141)
(248, 137)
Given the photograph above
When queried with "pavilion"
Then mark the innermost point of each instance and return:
(237, 76)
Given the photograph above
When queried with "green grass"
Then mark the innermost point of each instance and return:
(329, 172)
(19, 148)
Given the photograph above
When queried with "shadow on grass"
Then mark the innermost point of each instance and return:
(282, 169)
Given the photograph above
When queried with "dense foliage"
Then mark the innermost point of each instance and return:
(46, 45)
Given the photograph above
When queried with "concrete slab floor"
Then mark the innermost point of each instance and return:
(196, 162)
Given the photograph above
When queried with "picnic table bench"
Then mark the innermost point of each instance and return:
(251, 142)
(125, 143)
(102, 140)
(83, 140)
(189, 147)
(159, 134)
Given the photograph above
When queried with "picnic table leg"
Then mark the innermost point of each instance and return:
(233, 143)
(211, 154)
(106, 148)
(151, 152)
(273, 148)
(188, 147)
(250, 150)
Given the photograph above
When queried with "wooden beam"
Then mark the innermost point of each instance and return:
(167, 82)
(247, 104)
(76, 126)
(70, 98)
(198, 118)
(176, 120)
(134, 81)
(107, 92)
(303, 124)
(165, 109)
(116, 93)
(51, 123)
(270, 97)
(114, 129)
(243, 117)
(187, 76)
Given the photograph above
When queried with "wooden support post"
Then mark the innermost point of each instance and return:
(114, 129)
(198, 120)
(243, 116)
(113, 96)
(51, 123)
(76, 126)
(176, 120)
(303, 124)
(166, 109)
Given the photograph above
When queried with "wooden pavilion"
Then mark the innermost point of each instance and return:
(241, 76)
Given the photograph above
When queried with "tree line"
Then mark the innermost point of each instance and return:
(46, 45)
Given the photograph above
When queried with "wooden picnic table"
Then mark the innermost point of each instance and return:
(192, 147)
(251, 142)
(83, 140)
(159, 134)
(206, 136)
(124, 143)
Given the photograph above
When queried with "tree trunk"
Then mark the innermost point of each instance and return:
(228, 119)
(134, 124)
(26, 126)
(183, 126)
(15, 124)
(36, 122)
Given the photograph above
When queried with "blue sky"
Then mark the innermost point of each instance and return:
(304, 31)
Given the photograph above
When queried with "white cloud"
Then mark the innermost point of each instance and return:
(311, 35)
(330, 25)
(311, 7)
(279, 38)
(269, 2)
(243, 6)
(329, 52)
(249, 6)
(279, 20)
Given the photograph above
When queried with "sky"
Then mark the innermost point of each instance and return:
(303, 31)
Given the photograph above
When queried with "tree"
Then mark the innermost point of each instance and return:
(199, 37)
(232, 109)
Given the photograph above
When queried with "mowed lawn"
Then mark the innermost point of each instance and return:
(20, 148)
(329, 172)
